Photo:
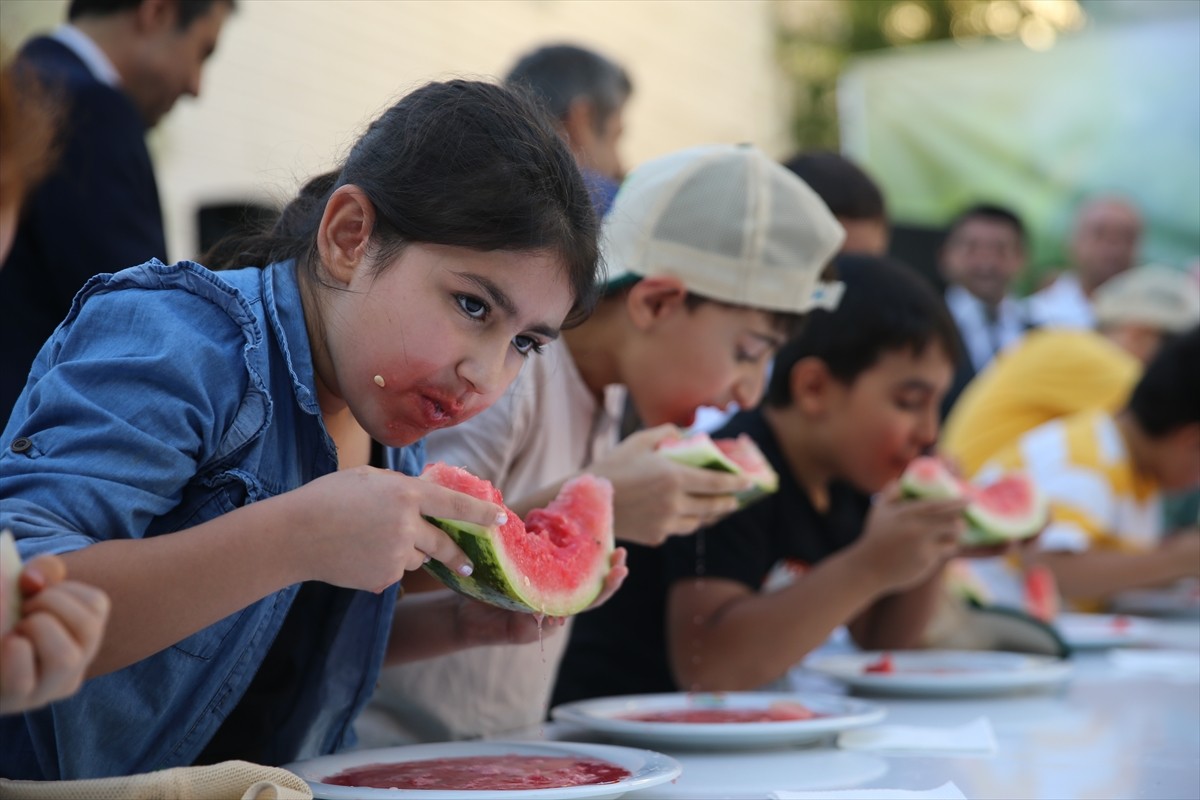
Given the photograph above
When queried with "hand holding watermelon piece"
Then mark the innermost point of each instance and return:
(1005, 510)
(739, 456)
(555, 562)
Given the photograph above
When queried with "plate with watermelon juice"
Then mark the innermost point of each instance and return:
(724, 720)
(942, 673)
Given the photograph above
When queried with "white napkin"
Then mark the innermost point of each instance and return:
(947, 791)
(1179, 664)
(974, 738)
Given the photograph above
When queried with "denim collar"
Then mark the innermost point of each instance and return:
(285, 311)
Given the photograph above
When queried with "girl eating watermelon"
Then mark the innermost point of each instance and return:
(208, 447)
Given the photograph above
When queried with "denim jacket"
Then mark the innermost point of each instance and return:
(171, 395)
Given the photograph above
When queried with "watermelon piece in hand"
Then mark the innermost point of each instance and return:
(739, 455)
(1007, 509)
(553, 562)
(10, 589)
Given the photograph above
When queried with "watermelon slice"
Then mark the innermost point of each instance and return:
(553, 562)
(10, 589)
(740, 456)
(1007, 509)
(1041, 593)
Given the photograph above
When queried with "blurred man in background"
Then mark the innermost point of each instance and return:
(1104, 243)
(117, 67)
(983, 255)
(586, 93)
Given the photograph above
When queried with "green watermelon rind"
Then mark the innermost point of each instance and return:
(947, 489)
(491, 580)
(707, 455)
(985, 529)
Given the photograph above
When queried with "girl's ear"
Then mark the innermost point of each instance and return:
(811, 384)
(344, 234)
(651, 300)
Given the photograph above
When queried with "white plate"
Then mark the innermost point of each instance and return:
(1084, 631)
(944, 672)
(607, 715)
(646, 768)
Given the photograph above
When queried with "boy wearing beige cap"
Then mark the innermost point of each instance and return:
(1056, 372)
(713, 254)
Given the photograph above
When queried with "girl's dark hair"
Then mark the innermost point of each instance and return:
(886, 306)
(460, 163)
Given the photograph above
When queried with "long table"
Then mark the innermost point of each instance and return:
(1107, 732)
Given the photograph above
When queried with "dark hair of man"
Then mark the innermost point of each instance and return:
(1168, 395)
(559, 74)
(461, 163)
(885, 307)
(991, 212)
(189, 10)
(843, 185)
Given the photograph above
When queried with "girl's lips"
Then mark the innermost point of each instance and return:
(438, 412)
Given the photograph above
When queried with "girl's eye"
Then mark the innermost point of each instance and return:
(525, 345)
(472, 306)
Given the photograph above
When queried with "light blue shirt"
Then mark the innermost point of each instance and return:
(171, 395)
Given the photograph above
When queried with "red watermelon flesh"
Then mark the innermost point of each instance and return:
(1041, 593)
(739, 455)
(552, 562)
(1008, 508)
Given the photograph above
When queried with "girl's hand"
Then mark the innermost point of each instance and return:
(655, 497)
(363, 528)
(480, 623)
(45, 656)
(905, 540)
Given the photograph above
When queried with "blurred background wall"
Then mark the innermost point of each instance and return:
(1033, 103)
(294, 81)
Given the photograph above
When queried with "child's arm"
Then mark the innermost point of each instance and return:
(432, 624)
(359, 528)
(724, 636)
(1097, 573)
(44, 658)
(898, 621)
(654, 497)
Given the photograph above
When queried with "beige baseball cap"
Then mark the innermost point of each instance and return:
(730, 223)
(1151, 295)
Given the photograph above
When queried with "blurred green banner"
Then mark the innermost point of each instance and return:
(1108, 110)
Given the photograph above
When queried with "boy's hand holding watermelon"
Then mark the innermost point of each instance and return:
(905, 541)
(658, 497)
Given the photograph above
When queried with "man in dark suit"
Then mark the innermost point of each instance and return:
(116, 67)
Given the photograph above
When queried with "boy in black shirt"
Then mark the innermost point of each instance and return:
(852, 400)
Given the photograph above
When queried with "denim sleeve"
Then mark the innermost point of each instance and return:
(125, 400)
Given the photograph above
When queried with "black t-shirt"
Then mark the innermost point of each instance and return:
(620, 647)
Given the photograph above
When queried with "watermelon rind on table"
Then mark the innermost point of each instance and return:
(553, 562)
(738, 455)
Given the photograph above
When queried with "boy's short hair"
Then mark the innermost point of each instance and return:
(845, 187)
(189, 10)
(989, 211)
(1168, 395)
(731, 224)
(886, 306)
(559, 74)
